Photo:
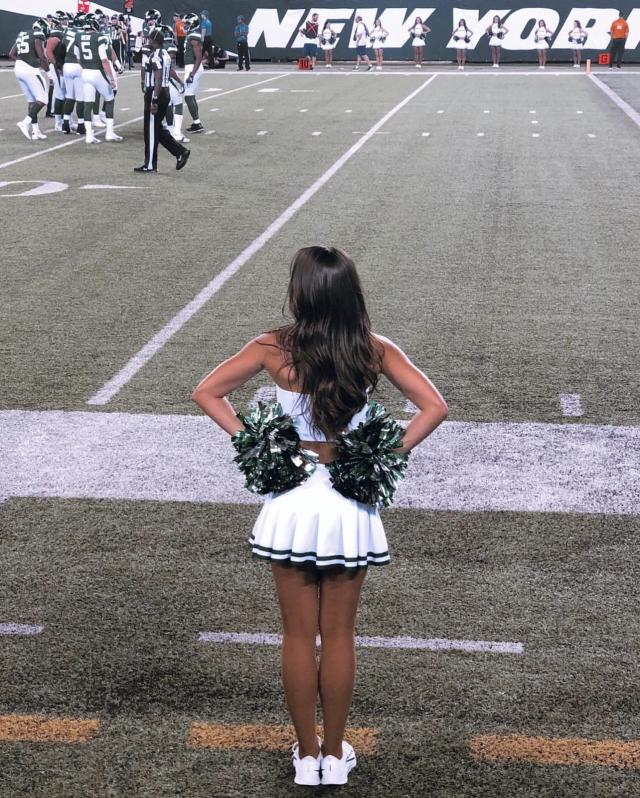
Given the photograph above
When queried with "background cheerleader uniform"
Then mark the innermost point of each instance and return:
(460, 43)
(313, 523)
(494, 39)
(325, 40)
(418, 31)
(378, 37)
(541, 42)
(576, 39)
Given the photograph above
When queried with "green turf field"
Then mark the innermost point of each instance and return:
(493, 219)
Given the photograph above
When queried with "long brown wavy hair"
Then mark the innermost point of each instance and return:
(329, 344)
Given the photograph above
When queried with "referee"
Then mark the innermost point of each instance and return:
(157, 72)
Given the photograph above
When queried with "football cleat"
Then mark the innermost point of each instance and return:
(38, 135)
(181, 160)
(58, 127)
(92, 140)
(81, 129)
(24, 129)
(112, 137)
(97, 122)
(196, 127)
(143, 169)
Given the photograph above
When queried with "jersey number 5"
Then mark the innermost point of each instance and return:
(85, 46)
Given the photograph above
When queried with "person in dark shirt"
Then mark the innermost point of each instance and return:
(241, 35)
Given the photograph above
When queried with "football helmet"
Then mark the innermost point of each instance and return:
(78, 20)
(91, 22)
(191, 21)
(40, 26)
(167, 32)
(153, 15)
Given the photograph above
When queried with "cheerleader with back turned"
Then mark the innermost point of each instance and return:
(326, 457)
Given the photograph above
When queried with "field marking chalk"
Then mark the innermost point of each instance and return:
(556, 750)
(47, 729)
(21, 629)
(11, 96)
(535, 135)
(252, 737)
(411, 643)
(463, 466)
(114, 385)
(262, 133)
(98, 187)
(633, 115)
(591, 135)
(570, 404)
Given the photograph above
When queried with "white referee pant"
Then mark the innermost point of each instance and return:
(32, 82)
(73, 83)
(95, 81)
(192, 88)
(58, 83)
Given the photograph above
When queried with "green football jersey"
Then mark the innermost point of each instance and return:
(70, 37)
(89, 43)
(59, 49)
(26, 47)
(189, 55)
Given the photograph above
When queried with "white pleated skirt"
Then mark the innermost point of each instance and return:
(418, 42)
(316, 525)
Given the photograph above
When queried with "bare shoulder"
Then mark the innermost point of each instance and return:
(267, 339)
(386, 347)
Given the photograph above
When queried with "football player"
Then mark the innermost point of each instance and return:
(30, 58)
(175, 112)
(193, 68)
(72, 73)
(98, 77)
(56, 50)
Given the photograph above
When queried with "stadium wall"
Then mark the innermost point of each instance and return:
(274, 25)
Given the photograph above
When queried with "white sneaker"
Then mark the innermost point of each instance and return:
(24, 129)
(182, 139)
(378, 68)
(336, 771)
(92, 140)
(38, 135)
(496, 66)
(418, 66)
(460, 67)
(112, 137)
(307, 769)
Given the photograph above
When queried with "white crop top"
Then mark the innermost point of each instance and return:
(292, 403)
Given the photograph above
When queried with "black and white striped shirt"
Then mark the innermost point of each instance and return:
(158, 59)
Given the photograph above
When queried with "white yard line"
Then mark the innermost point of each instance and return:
(142, 357)
(463, 466)
(80, 139)
(633, 115)
(570, 404)
(11, 96)
(415, 643)
(21, 629)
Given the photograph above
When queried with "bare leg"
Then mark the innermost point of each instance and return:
(297, 590)
(339, 596)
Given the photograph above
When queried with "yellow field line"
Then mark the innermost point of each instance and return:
(46, 729)
(267, 738)
(556, 750)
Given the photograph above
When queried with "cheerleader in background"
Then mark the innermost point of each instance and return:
(328, 40)
(542, 39)
(462, 36)
(378, 38)
(577, 39)
(419, 32)
(496, 33)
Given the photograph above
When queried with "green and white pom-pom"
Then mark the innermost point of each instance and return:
(367, 469)
(269, 453)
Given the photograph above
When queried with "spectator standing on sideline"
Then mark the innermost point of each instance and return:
(179, 32)
(361, 38)
(157, 74)
(241, 34)
(619, 31)
(311, 32)
(206, 30)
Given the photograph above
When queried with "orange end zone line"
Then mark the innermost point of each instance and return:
(556, 750)
(47, 729)
(245, 737)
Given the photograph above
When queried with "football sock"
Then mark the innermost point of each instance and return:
(177, 123)
(108, 109)
(192, 105)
